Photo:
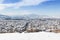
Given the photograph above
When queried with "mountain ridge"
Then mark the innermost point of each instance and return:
(30, 16)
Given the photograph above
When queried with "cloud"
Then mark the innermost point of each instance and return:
(16, 13)
(2, 7)
(20, 4)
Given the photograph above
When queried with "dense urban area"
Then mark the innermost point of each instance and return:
(33, 25)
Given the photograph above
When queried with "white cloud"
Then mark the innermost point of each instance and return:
(20, 4)
(1, 8)
(15, 13)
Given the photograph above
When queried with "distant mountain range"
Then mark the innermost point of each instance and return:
(2, 17)
(30, 16)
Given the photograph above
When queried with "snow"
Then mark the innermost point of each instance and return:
(30, 36)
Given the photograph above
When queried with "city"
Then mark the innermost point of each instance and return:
(32, 25)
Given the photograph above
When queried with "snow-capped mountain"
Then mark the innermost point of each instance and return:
(4, 17)
(34, 16)
(30, 16)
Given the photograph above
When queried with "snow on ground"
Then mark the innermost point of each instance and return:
(30, 36)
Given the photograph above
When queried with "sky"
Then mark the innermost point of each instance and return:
(25, 7)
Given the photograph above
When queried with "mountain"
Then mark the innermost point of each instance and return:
(24, 17)
(4, 17)
(30, 16)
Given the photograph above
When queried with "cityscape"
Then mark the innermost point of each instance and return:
(29, 19)
(30, 25)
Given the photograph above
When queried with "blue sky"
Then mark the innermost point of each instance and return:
(24, 7)
(11, 1)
